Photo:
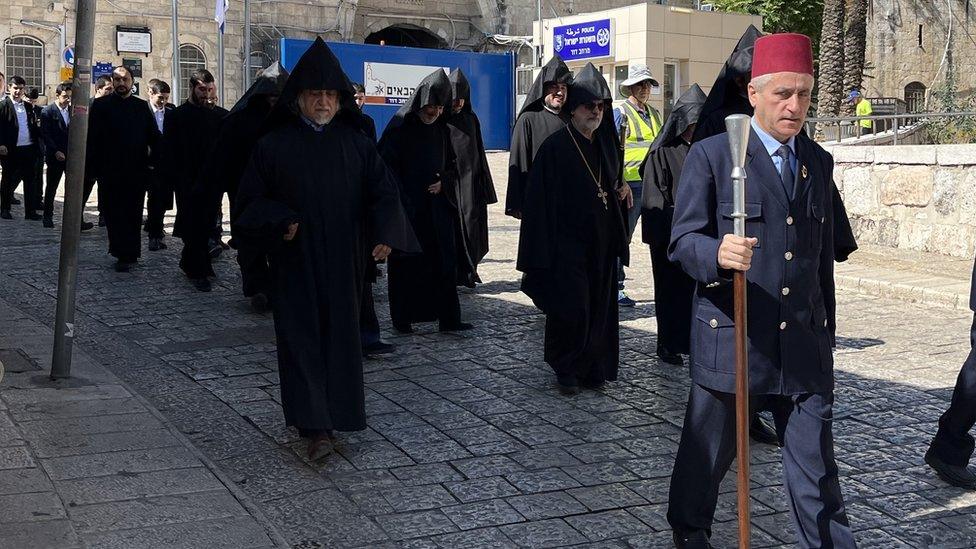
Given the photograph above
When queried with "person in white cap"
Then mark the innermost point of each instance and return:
(643, 123)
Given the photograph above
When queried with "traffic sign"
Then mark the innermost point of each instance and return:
(67, 73)
(68, 56)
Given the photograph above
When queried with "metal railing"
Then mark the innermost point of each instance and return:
(846, 127)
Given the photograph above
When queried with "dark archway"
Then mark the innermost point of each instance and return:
(915, 96)
(406, 34)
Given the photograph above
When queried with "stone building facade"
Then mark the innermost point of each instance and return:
(907, 42)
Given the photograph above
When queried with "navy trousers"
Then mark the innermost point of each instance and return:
(953, 444)
(707, 448)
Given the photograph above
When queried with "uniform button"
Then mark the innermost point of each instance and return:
(788, 256)
(713, 323)
(786, 291)
(782, 325)
(789, 220)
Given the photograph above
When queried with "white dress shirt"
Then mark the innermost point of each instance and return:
(158, 115)
(23, 126)
(65, 115)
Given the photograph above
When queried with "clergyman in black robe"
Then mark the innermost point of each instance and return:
(661, 170)
(189, 136)
(475, 187)
(315, 194)
(121, 133)
(369, 324)
(417, 149)
(542, 115)
(572, 234)
(238, 134)
(729, 94)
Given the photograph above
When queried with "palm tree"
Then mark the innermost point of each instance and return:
(855, 38)
(831, 64)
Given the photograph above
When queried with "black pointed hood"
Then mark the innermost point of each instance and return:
(461, 88)
(724, 92)
(684, 113)
(270, 81)
(553, 71)
(434, 89)
(588, 85)
(317, 69)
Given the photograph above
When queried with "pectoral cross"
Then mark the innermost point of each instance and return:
(602, 195)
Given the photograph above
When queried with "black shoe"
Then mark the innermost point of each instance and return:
(101, 220)
(379, 348)
(122, 266)
(48, 222)
(260, 303)
(691, 540)
(669, 357)
(5, 214)
(155, 245)
(403, 328)
(87, 226)
(15, 201)
(33, 216)
(459, 327)
(568, 385)
(215, 249)
(959, 476)
(201, 284)
(762, 432)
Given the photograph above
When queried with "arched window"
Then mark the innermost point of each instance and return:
(24, 56)
(915, 96)
(191, 59)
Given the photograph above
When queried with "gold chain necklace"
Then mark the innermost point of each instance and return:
(600, 193)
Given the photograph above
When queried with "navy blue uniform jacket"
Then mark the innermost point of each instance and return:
(54, 131)
(791, 283)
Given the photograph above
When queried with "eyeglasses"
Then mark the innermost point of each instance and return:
(594, 106)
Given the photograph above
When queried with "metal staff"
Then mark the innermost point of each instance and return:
(738, 127)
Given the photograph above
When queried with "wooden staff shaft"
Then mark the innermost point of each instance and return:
(742, 415)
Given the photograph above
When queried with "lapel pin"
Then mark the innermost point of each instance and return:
(803, 172)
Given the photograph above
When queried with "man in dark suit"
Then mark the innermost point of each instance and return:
(788, 255)
(952, 447)
(19, 150)
(55, 119)
(160, 190)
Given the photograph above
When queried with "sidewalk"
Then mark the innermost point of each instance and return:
(907, 275)
(86, 463)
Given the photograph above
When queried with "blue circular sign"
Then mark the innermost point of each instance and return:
(68, 56)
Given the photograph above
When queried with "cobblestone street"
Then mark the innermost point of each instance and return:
(469, 444)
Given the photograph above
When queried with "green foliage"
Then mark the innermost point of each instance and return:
(802, 16)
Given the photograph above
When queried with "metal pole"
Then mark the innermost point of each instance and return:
(175, 74)
(247, 44)
(220, 64)
(64, 319)
(738, 126)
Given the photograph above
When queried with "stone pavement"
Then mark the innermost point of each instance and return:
(468, 444)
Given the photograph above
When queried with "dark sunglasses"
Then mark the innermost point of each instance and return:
(594, 106)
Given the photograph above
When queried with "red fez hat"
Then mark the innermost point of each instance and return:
(785, 52)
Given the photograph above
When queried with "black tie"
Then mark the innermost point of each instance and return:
(786, 170)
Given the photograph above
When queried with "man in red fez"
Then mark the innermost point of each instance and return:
(788, 257)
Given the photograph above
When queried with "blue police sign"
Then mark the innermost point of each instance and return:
(587, 40)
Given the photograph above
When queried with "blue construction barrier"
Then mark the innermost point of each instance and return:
(492, 78)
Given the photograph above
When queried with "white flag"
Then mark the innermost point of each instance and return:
(220, 13)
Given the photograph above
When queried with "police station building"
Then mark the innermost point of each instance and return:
(682, 46)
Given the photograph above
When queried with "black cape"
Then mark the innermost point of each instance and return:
(661, 168)
(334, 184)
(422, 288)
(725, 97)
(569, 244)
(475, 187)
(532, 126)
(121, 135)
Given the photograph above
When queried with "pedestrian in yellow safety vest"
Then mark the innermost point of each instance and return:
(642, 123)
(862, 108)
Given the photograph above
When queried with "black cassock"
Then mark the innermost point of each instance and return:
(336, 187)
(122, 131)
(569, 244)
(189, 137)
(423, 288)
(475, 189)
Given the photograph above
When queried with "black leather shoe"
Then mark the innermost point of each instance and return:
(403, 328)
(48, 222)
(122, 266)
(201, 284)
(459, 327)
(87, 226)
(5, 214)
(155, 245)
(379, 348)
(568, 385)
(692, 540)
(33, 216)
(668, 357)
(260, 303)
(762, 432)
(959, 476)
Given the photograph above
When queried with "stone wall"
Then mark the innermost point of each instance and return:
(916, 197)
